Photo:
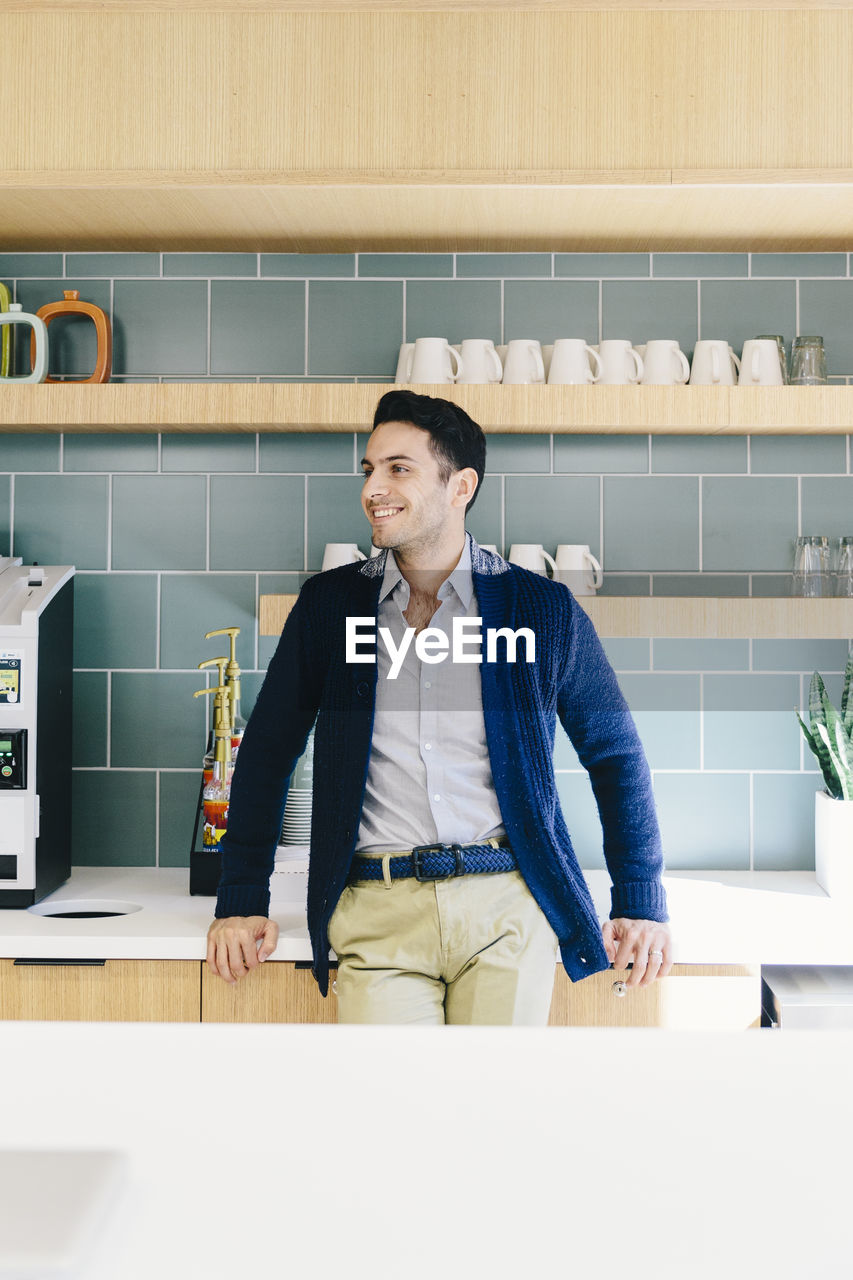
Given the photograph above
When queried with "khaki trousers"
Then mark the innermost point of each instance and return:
(475, 949)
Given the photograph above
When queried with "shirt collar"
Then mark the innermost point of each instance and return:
(460, 579)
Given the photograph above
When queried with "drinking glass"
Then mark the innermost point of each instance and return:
(844, 568)
(811, 567)
(808, 362)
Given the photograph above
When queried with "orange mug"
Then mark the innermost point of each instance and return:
(73, 306)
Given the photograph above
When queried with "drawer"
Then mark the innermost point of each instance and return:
(100, 991)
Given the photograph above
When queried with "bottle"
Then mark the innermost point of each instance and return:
(232, 676)
(207, 763)
(217, 792)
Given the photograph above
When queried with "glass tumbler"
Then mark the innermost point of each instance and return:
(808, 362)
(811, 567)
(844, 568)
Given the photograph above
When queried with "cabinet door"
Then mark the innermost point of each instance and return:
(277, 991)
(104, 991)
(704, 997)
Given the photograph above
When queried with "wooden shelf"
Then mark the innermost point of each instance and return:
(428, 211)
(682, 617)
(345, 407)
(711, 618)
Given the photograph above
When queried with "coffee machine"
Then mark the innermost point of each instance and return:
(36, 629)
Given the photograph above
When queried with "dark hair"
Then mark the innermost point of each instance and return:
(456, 440)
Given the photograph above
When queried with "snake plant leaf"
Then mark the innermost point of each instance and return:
(818, 697)
(844, 751)
(822, 756)
(837, 784)
(846, 700)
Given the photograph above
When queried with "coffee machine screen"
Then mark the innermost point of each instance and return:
(13, 760)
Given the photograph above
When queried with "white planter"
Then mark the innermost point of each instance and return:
(833, 845)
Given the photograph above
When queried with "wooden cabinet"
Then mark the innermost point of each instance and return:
(394, 125)
(690, 997)
(718, 997)
(100, 991)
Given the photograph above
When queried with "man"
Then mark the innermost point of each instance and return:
(441, 869)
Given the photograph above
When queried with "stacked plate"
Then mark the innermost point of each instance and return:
(296, 825)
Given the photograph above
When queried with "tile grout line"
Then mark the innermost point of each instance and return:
(156, 817)
(306, 322)
(109, 744)
(157, 617)
(305, 524)
(110, 482)
(751, 794)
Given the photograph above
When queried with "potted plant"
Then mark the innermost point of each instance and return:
(831, 739)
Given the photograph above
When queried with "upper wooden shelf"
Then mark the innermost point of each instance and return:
(342, 407)
(682, 617)
(428, 210)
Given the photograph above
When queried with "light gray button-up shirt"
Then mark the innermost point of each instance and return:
(429, 779)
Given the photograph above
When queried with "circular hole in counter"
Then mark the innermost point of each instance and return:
(83, 908)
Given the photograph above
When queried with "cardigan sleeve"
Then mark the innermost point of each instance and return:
(595, 715)
(273, 741)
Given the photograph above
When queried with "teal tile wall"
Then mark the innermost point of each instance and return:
(173, 535)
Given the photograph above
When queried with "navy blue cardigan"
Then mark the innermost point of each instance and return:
(309, 678)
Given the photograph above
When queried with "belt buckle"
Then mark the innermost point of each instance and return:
(421, 849)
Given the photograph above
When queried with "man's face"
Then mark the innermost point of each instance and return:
(404, 498)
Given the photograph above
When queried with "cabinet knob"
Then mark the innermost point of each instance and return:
(619, 989)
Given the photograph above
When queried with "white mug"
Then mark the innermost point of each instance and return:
(578, 568)
(620, 362)
(531, 555)
(570, 362)
(432, 360)
(524, 361)
(480, 361)
(760, 364)
(404, 360)
(714, 364)
(341, 553)
(665, 364)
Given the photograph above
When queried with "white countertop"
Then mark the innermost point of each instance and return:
(368, 1152)
(717, 917)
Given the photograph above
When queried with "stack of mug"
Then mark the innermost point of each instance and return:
(613, 362)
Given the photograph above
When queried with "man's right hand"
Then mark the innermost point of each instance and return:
(232, 945)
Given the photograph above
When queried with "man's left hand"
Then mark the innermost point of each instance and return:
(646, 943)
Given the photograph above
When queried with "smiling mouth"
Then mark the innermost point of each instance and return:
(380, 514)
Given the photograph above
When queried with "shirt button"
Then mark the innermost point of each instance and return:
(427, 746)
(582, 959)
(436, 797)
(427, 684)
